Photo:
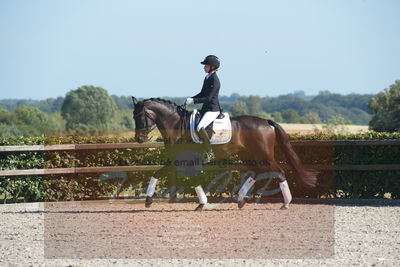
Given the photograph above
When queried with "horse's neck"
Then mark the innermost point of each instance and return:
(170, 123)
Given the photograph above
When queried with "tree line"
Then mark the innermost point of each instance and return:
(291, 108)
(90, 107)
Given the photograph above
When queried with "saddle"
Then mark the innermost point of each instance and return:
(219, 131)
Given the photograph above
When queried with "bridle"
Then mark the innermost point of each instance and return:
(148, 116)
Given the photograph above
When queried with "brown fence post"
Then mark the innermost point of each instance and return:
(356, 174)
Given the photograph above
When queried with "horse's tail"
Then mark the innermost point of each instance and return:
(307, 178)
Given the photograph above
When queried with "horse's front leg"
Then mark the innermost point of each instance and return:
(202, 197)
(150, 191)
(151, 188)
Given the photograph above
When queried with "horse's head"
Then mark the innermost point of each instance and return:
(144, 120)
(148, 114)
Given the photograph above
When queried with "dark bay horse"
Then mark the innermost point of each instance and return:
(253, 139)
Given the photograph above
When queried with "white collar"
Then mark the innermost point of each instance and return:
(209, 74)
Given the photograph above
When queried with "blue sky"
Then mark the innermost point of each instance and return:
(153, 48)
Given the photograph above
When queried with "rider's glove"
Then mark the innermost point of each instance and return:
(189, 101)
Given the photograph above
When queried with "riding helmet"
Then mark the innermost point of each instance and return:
(211, 60)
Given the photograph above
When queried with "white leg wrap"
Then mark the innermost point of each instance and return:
(200, 193)
(287, 196)
(152, 186)
(245, 188)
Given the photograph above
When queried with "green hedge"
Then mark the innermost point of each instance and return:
(69, 187)
(374, 184)
(353, 184)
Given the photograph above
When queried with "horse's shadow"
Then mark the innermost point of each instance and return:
(55, 211)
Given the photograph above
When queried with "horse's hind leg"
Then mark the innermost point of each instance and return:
(277, 171)
(250, 181)
(270, 171)
(243, 191)
(287, 196)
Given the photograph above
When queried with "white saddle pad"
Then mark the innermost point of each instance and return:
(222, 130)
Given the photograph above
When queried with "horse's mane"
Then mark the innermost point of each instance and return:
(179, 108)
(160, 100)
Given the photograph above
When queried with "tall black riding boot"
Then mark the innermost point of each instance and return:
(204, 137)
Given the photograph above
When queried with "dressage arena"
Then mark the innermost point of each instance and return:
(98, 233)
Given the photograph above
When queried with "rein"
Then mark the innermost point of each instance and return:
(183, 119)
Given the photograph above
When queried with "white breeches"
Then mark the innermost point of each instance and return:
(208, 118)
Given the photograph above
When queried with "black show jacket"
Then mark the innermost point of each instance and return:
(209, 94)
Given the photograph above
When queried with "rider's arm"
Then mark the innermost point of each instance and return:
(201, 92)
(209, 93)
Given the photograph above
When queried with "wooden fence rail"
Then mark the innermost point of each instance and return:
(69, 147)
(78, 170)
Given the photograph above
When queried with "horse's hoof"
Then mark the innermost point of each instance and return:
(241, 203)
(199, 207)
(285, 207)
(149, 201)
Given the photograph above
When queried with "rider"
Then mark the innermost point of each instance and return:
(208, 96)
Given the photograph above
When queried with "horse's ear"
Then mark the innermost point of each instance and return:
(134, 100)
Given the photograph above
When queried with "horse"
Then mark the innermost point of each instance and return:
(253, 138)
